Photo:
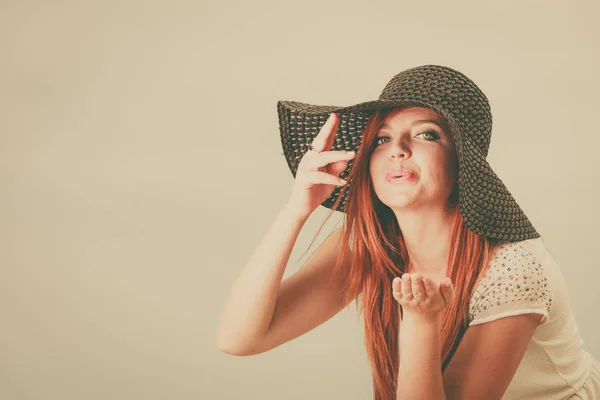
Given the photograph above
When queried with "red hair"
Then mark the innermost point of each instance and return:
(373, 253)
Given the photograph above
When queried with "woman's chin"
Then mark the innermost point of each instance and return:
(400, 204)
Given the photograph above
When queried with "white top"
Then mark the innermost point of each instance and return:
(523, 278)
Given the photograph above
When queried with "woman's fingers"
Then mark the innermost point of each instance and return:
(311, 178)
(418, 287)
(324, 139)
(430, 287)
(397, 288)
(320, 160)
(406, 286)
(448, 291)
(336, 168)
(323, 158)
(422, 295)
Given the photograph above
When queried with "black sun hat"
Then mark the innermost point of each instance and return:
(485, 203)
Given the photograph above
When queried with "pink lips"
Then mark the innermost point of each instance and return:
(399, 175)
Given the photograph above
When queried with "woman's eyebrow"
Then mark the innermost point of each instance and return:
(418, 122)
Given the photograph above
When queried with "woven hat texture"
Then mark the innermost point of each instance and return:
(486, 205)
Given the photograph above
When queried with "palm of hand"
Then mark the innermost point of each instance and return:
(420, 296)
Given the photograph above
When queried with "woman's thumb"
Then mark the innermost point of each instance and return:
(447, 289)
(338, 167)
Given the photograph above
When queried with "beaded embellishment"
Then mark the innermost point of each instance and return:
(514, 280)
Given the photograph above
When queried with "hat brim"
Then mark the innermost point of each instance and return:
(486, 204)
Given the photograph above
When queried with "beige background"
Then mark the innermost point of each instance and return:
(141, 164)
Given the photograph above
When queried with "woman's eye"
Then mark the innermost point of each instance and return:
(378, 140)
(432, 134)
(432, 137)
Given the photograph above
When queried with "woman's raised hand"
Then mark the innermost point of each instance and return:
(421, 297)
(318, 171)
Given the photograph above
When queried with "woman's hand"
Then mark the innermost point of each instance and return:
(422, 298)
(319, 170)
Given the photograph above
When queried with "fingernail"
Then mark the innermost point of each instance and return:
(350, 153)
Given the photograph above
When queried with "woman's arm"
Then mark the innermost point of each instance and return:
(420, 375)
(488, 356)
(422, 301)
(249, 308)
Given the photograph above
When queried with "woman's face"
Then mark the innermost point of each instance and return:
(423, 151)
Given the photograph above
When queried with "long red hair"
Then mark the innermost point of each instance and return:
(374, 253)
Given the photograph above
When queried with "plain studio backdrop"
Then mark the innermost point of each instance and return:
(141, 164)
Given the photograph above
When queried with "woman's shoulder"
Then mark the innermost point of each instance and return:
(521, 257)
(515, 280)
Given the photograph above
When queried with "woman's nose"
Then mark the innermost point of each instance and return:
(399, 150)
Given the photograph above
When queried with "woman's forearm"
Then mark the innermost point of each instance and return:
(250, 305)
(420, 375)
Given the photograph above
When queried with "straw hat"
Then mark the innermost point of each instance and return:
(486, 205)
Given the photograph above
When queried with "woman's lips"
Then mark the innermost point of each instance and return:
(406, 177)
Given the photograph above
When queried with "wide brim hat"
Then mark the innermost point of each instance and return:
(485, 203)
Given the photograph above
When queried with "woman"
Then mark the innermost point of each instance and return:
(459, 295)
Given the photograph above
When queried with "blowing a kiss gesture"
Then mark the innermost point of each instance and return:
(421, 298)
